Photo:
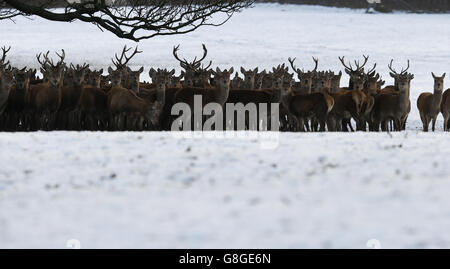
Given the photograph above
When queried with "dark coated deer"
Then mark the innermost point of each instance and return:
(45, 98)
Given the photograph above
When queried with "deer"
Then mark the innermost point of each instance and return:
(303, 106)
(70, 95)
(393, 106)
(129, 78)
(6, 83)
(17, 107)
(218, 95)
(304, 87)
(91, 112)
(395, 89)
(123, 102)
(429, 104)
(250, 96)
(356, 83)
(45, 98)
(445, 109)
(345, 102)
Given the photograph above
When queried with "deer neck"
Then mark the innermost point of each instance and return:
(221, 93)
(437, 99)
(285, 97)
(403, 102)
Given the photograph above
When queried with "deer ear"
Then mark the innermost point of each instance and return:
(443, 76)
(141, 69)
(434, 76)
(152, 72)
(242, 70)
(392, 74)
(348, 72)
(231, 70)
(256, 70)
(100, 71)
(218, 70)
(110, 70)
(172, 72)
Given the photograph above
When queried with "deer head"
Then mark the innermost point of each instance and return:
(115, 77)
(222, 78)
(52, 72)
(95, 78)
(438, 82)
(78, 74)
(134, 78)
(336, 82)
(6, 81)
(22, 78)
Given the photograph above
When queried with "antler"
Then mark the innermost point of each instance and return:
(349, 67)
(4, 52)
(207, 67)
(45, 62)
(183, 63)
(205, 52)
(118, 63)
(62, 57)
(194, 64)
(291, 61)
(317, 64)
(358, 67)
(404, 71)
(372, 70)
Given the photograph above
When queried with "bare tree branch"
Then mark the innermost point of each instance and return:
(130, 19)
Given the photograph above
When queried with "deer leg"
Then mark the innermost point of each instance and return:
(433, 123)
(446, 117)
(331, 124)
(426, 124)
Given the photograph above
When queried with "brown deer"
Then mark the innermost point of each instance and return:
(218, 95)
(45, 98)
(356, 83)
(395, 75)
(129, 111)
(250, 96)
(91, 112)
(17, 107)
(429, 104)
(304, 106)
(445, 109)
(393, 106)
(70, 95)
(6, 83)
(129, 78)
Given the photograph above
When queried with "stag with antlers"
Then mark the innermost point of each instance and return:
(129, 77)
(45, 98)
(195, 74)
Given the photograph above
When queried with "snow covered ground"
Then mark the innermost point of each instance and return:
(138, 190)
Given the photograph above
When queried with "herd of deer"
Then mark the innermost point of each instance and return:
(70, 97)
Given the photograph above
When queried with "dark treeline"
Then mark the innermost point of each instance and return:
(409, 5)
